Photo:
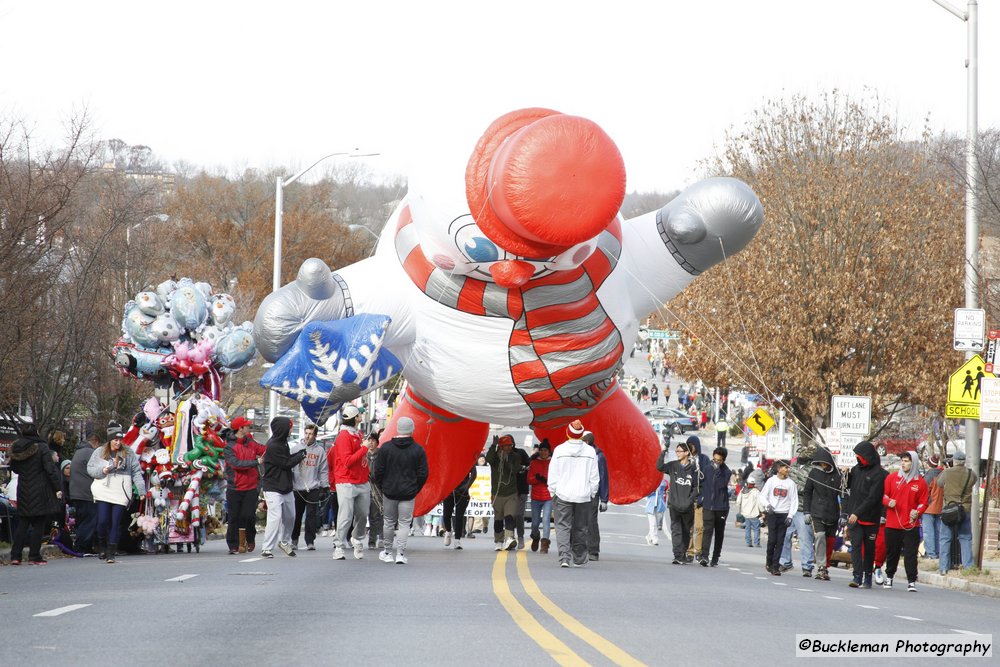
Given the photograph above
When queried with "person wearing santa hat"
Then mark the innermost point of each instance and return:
(573, 482)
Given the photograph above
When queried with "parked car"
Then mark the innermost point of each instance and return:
(671, 420)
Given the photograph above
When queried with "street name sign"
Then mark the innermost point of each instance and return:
(664, 334)
(970, 326)
(851, 414)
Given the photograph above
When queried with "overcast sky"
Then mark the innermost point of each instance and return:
(253, 84)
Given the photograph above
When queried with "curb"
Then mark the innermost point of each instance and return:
(957, 584)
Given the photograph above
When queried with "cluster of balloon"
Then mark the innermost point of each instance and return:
(183, 332)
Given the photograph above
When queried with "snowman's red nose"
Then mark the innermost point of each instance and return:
(540, 182)
(511, 273)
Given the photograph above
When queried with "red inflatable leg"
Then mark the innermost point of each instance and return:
(629, 443)
(452, 444)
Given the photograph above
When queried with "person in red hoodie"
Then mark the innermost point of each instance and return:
(905, 500)
(242, 456)
(348, 463)
(541, 499)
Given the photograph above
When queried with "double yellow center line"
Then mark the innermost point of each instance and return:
(552, 645)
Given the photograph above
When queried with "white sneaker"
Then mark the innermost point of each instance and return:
(458, 543)
(385, 556)
(287, 547)
(911, 587)
(325, 533)
(359, 548)
(338, 553)
(510, 544)
(400, 558)
(498, 546)
(447, 538)
(878, 576)
(888, 583)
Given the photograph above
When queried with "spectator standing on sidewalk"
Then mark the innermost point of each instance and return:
(957, 484)
(276, 484)
(400, 471)
(39, 493)
(117, 469)
(310, 481)
(931, 520)
(80, 496)
(905, 499)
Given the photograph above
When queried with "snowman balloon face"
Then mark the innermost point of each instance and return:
(221, 309)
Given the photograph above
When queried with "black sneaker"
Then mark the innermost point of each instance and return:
(785, 568)
(676, 562)
(703, 561)
(714, 562)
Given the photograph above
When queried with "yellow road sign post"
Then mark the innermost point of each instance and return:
(760, 422)
(965, 388)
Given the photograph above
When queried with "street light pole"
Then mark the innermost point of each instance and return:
(279, 205)
(971, 19)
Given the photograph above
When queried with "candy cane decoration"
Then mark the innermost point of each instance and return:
(189, 496)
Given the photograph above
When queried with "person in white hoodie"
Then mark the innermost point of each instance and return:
(780, 499)
(573, 482)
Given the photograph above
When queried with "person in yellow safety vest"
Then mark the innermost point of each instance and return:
(721, 429)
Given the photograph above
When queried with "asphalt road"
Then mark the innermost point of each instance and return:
(450, 607)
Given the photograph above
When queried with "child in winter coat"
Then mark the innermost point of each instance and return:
(748, 504)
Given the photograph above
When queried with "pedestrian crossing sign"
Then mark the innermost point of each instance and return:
(964, 389)
(760, 422)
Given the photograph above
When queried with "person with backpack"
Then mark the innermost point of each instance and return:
(957, 484)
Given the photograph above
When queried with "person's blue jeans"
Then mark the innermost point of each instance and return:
(109, 517)
(751, 531)
(86, 525)
(805, 532)
(931, 524)
(964, 531)
(540, 510)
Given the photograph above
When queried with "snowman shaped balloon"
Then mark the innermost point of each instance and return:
(510, 298)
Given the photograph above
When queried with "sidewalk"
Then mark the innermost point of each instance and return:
(959, 584)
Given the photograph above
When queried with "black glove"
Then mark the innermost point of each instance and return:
(496, 441)
(603, 507)
(788, 522)
(541, 478)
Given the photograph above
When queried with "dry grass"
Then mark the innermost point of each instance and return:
(980, 576)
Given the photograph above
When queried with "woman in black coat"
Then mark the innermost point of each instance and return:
(38, 493)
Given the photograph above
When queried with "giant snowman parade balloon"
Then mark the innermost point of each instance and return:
(510, 298)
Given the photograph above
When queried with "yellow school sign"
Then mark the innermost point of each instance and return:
(964, 389)
(760, 422)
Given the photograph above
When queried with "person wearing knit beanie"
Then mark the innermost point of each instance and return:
(573, 483)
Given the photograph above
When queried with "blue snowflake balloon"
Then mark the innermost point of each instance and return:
(331, 363)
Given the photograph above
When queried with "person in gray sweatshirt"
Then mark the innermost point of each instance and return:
(310, 484)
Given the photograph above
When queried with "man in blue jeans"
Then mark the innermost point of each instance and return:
(958, 483)
(801, 525)
(931, 519)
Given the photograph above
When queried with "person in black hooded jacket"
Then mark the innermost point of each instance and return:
(38, 493)
(863, 504)
(821, 502)
(400, 471)
(276, 483)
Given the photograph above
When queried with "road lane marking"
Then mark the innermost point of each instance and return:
(61, 610)
(965, 632)
(832, 597)
(251, 560)
(750, 573)
(909, 618)
(867, 606)
(804, 590)
(606, 648)
(183, 577)
(761, 578)
(735, 569)
(778, 583)
(561, 653)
